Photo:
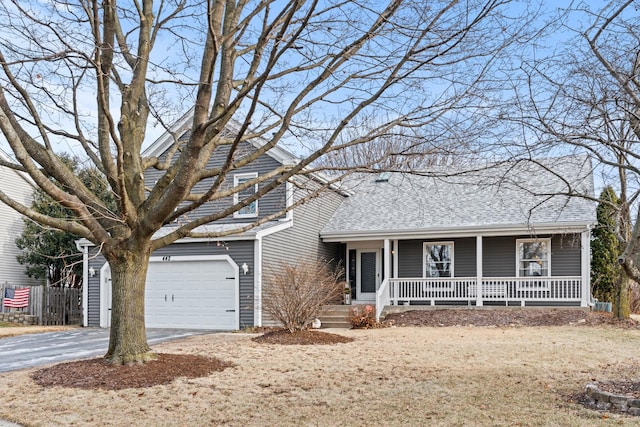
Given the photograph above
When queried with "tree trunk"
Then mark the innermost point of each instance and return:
(128, 339)
(622, 298)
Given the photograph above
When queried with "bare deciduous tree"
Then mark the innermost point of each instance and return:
(92, 76)
(586, 97)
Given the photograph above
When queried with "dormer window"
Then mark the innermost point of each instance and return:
(250, 210)
(383, 177)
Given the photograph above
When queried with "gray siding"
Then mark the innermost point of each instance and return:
(565, 255)
(464, 257)
(302, 240)
(410, 257)
(240, 251)
(270, 203)
(499, 256)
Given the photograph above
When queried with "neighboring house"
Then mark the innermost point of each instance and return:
(20, 188)
(502, 235)
(218, 283)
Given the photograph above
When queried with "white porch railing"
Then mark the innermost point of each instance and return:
(383, 298)
(521, 289)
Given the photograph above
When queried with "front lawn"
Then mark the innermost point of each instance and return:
(449, 376)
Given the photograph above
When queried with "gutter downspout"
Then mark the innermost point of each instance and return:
(588, 299)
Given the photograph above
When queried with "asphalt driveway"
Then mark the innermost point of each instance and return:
(26, 351)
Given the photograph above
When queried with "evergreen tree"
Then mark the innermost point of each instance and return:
(50, 253)
(605, 248)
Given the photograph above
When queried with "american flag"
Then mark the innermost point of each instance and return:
(16, 298)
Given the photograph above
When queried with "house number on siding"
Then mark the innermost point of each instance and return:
(166, 258)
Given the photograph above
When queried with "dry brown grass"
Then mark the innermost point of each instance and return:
(449, 376)
(11, 330)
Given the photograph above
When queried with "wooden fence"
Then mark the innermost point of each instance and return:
(52, 306)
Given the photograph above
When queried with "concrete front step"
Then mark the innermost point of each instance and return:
(336, 316)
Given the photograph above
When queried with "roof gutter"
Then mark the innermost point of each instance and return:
(448, 232)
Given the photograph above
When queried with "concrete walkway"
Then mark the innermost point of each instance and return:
(31, 350)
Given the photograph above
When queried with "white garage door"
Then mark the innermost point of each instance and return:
(191, 293)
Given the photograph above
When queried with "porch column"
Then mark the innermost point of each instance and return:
(394, 251)
(479, 271)
(386, 260)
(585, 261)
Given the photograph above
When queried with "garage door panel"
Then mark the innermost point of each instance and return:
(191, 294)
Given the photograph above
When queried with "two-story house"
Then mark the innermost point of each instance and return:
(503, 234)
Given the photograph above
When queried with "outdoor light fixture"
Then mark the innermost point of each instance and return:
(245, 268)
(92, 272)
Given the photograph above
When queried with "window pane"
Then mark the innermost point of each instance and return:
(248, 192)
(533, 250)
(438, 260)
(533, 258)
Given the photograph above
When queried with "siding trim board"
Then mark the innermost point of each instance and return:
(85, 279)
(105, 293)
(458, 232)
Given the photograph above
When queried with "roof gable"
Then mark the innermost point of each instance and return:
(183, 125)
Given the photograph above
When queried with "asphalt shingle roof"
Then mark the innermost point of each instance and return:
(507, 194)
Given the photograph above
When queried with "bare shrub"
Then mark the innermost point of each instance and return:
(363, 317)
(295, 294)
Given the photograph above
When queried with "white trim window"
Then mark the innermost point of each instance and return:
(438, 259)
(533, 257)
(250, 210)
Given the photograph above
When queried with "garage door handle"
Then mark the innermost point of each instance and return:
(230, 278)
(231, 311)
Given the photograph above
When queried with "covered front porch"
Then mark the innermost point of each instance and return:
(496, 290)
(481, 270)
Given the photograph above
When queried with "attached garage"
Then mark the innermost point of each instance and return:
(187, 292)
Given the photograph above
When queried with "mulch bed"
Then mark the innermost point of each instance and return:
(300, 338)
(507, 317)
(98, 374)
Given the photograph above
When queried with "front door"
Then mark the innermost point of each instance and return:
(367, 274)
